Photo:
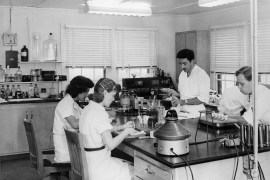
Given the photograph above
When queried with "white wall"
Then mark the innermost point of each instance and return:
(45, 21)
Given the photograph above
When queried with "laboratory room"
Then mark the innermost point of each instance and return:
(135, 89)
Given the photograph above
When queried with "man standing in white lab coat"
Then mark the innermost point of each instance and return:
(193, 85)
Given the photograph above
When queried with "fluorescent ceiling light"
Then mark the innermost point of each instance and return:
(119, 7)
(212, 3)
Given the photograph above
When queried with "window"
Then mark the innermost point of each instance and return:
(94, 73)
(137, 72)
(135, 52)
(228, 54)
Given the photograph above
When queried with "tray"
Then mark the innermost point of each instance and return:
(217, 122)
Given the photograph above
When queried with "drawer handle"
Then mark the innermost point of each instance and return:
(139, 177)
(149, 171)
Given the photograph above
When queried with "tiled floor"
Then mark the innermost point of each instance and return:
(18, 170)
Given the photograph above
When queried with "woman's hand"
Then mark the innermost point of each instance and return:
(128, 131)
(129, 124)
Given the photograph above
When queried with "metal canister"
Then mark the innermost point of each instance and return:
(266, 135)
(260, 134)
(248, 135)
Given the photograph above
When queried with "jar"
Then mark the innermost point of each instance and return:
(125, 99)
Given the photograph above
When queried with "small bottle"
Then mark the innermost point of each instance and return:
(8, 91)
(13, 92)
(19, 74)
(36, 91)
(2, 74)
(7, 74)
(24, 54)
(18, 92)
(31, 90)
(3, 90)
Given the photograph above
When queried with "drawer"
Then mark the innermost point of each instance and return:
(144, 170)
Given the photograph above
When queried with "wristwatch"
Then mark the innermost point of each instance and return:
(185, 101)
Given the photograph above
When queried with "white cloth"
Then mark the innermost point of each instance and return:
(101, 166)
(65, 108)
(232, 102)
(263, 107)
(196, 85)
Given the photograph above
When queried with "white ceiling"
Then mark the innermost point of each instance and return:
(172, 7)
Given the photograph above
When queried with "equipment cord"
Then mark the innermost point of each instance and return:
(185, 162)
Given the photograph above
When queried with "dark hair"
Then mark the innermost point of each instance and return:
(185, 54)
(102, 85)
(78, 85)
(245, 71)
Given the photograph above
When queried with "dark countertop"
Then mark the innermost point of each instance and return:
(200, 152)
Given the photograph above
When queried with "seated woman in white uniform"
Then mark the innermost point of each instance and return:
(95, 125)
(67, 115)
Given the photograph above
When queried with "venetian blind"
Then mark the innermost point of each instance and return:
(86, 46)
(227, 48)
(264, 45)
(135, 48)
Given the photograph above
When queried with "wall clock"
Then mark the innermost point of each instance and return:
(10, 39)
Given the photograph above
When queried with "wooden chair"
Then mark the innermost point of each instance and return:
(43, 163)
(79, 168)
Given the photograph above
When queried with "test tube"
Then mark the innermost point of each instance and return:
(267, 139)
(260, 132)
(249, 134)
(242, 134)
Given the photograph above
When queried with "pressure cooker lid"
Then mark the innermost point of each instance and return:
(172, 129)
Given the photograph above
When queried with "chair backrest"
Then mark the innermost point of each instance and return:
(78, 160)
(34, 144)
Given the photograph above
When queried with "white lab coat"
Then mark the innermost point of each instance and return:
(233, 102)
(101, 166)
(196, 85)
(263, 107)
(66, 107)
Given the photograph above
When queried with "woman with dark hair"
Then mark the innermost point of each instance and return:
(95, 125)
(67, 114)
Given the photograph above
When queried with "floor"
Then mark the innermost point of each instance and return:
(20, 169)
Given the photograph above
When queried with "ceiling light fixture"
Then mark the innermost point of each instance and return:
(126, 8)
(212, 3)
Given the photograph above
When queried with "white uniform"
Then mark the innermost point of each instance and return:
(66, 107)
(263, 109)
(233, 102)
(196, 85)
(101, 166)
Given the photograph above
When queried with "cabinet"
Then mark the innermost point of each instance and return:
(199, 42)
(145, 170)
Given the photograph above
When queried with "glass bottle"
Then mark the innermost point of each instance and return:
(7, 74)
(3, 92)
(50, 49)
(8, 92)
(36, 46)
(36, 91)
(13, 91)
(125, 99)
(18, 92)
(24, 54)
(18, 75)
(2, 74)
(31, 90)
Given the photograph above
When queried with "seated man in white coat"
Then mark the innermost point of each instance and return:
(193, 85)
(233, 102)
(244, 80)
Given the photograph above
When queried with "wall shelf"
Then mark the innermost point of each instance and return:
(38, 62)
(33, 82)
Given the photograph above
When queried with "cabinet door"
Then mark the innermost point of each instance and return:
(180, 43)
(144, 170)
